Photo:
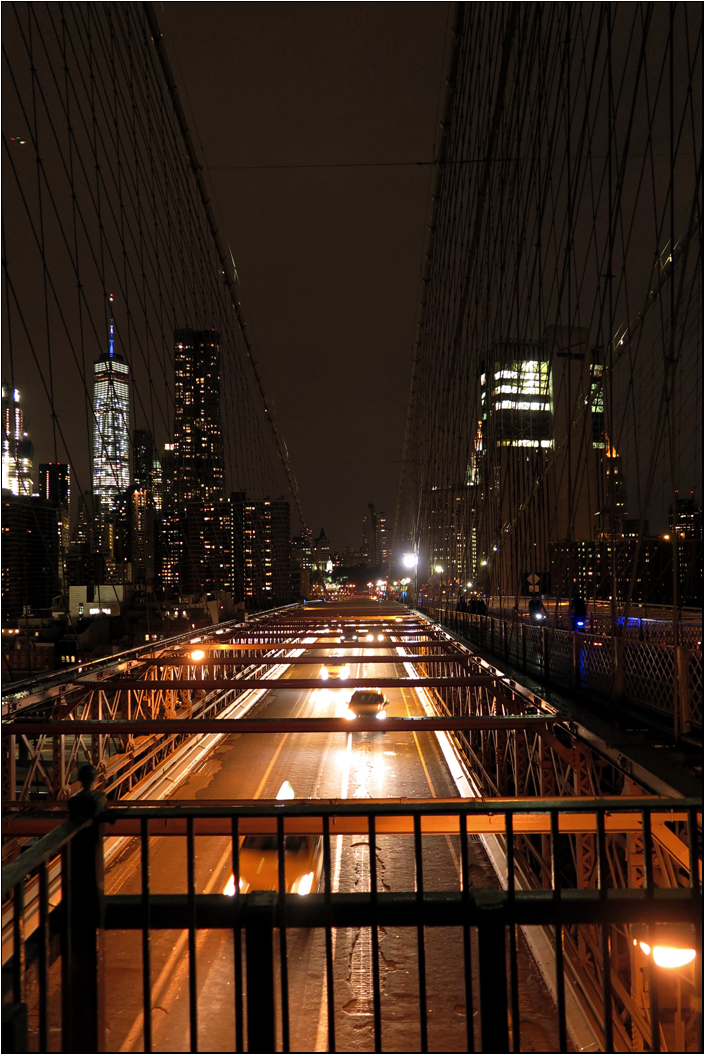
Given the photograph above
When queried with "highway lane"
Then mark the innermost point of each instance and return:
(356, 765)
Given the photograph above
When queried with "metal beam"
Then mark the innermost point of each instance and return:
(244, 661)
(350, 825)
(140, 727)
(289, 683)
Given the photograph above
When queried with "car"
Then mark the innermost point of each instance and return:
(366, 704)
(349, 637)
(338, 668)
(259, 864)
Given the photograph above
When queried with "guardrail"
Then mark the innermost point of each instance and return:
(634, 998)
(663, 681)
(643, 628)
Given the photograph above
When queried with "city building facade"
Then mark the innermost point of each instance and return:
(111, 426)
(17, 448)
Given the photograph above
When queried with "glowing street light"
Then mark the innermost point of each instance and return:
(198, 654)
(409, 560)
(438, 568)
(670, 946)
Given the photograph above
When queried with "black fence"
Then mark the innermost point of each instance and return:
(72, 932)
(660, 681)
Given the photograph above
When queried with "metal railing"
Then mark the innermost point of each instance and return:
(598, 919)
(660, 680)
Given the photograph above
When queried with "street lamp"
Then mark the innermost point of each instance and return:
(410, 561)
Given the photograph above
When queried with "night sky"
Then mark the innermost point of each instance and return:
(329, 259)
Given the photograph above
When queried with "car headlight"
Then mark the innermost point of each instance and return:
(380, 637)
(381, 715)
(345, 671)
(324, 673)
(229, 889)
(303, 885)
(351, 714)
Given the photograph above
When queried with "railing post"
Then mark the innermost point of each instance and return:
(9, 768)
(492, 976)
(523, 632)
(260, 912)
(576, 658)
(682, 711)
(618, 668)
(83, 984)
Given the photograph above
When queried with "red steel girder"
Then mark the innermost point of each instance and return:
(281, 683)
(247, 661)
(141, 727)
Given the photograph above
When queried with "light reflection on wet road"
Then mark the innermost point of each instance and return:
(328, 766)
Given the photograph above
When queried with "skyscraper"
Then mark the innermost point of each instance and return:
(54, 480)
(375, 544)
(54, 487)
(17, 448)
(111, 426)
(260, 551)
(143, 459)
(198, 440)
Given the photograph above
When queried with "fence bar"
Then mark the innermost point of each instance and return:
(694, 855)
(18, 943)
(467, 963)
(193, 993)
(283, 973)
(558, 932)
(603, 876)
(514, 982)
(43, 965)
(421, 952)
(237, 942)
(377, 1022)
(146, 963)
(330, 1008)
(493, 981)
(652, 984)
(694, 859)
(259, 924)
(83, 982)
(66, 949)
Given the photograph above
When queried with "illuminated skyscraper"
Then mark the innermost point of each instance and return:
(111, 426)
(260, 552)
(17, 448)
(198, 440)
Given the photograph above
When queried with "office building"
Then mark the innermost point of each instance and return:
(260, 552)
(205, 548)
(54, 487)
(17, 448)
(143, 455)
(374, 538)
(689, 520)
(198, 440)
(302, 552)
(30, 555)
(322, 552)
(169, 536)
(548, 474)
(54, 482)
(111, 426)
(140, 514)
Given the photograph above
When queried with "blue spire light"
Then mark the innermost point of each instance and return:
(111, 340)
